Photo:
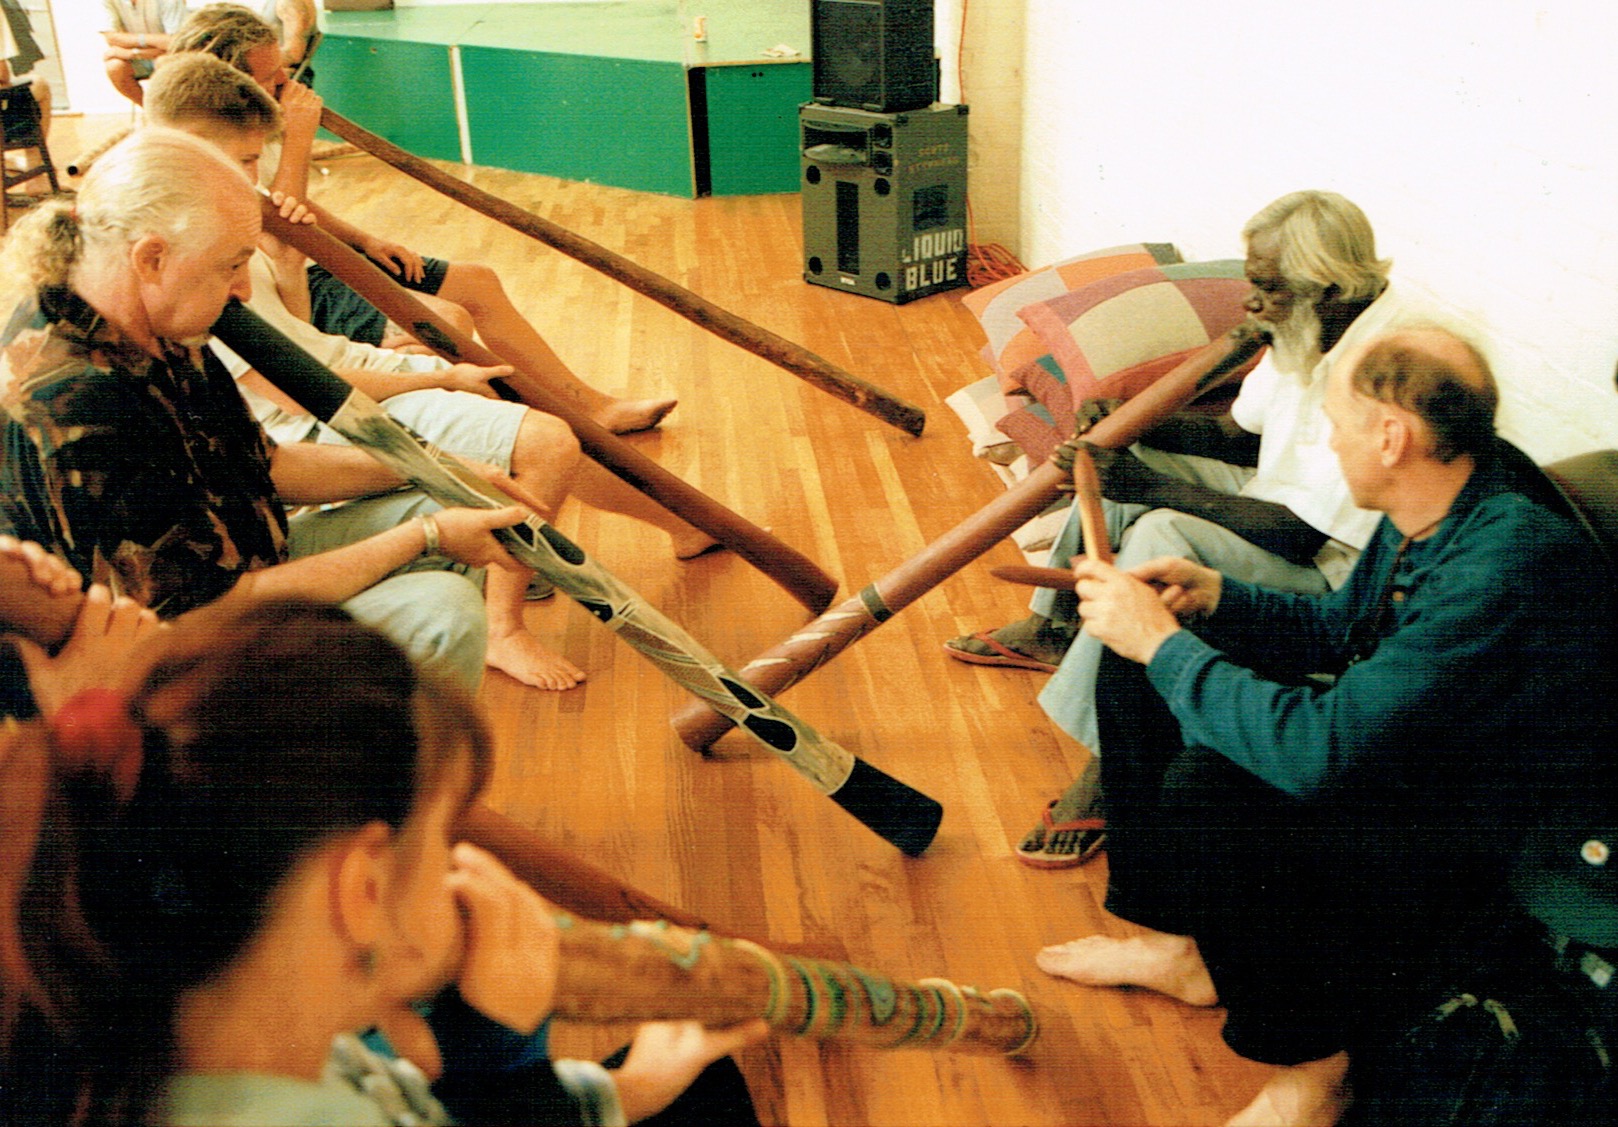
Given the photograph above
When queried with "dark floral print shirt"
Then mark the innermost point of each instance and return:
(147, 475)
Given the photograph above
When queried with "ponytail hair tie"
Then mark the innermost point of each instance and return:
(93, 733)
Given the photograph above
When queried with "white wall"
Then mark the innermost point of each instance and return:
(1479, 140)
(78, 27)
(991, 64)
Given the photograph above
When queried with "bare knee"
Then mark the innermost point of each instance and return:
(122, 77)
(474, 284)
(545, 441)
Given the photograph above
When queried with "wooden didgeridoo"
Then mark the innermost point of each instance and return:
(559, 875)
(794, 571)
(812, 369)
(80, 164)
(827, 636)
(651, 971)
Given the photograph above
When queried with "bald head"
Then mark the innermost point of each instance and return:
(1439, 378)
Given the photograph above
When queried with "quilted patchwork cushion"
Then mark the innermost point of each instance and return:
(1011, 343)
(1115, 336)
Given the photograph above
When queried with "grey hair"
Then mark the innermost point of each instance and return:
(1322, 240)
(155, 182)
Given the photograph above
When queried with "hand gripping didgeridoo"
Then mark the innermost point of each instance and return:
(896, 812)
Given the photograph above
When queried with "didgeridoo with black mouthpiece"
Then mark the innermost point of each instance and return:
(805, 651)
(795, 572)
(779, 351)
(650, 971)
(894, 811)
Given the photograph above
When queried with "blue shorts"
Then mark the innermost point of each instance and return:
(336, 308)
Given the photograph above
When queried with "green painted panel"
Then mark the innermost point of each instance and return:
(753, 126)
(611, 121)
(400, 91)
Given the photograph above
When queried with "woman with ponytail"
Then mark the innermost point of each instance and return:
(201, 905)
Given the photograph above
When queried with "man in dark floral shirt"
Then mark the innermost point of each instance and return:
(129, 452)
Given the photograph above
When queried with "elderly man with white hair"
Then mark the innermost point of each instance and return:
(129, 452)
(1255, 492)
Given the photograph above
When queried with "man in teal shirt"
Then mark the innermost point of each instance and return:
(1307, 850)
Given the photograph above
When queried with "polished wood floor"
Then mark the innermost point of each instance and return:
(738, 837)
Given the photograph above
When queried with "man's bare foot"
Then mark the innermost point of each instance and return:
(1313, 1094)
(520, 655)
(626, 416)
(1168, 964)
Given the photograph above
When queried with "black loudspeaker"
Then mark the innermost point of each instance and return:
(884, 200)
(874, 55)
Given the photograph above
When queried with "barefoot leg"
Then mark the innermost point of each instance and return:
(1312, 1094)
(1168, 964)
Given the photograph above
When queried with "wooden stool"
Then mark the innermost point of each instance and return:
(21, 129)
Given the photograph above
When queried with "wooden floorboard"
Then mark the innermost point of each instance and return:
(737, 836)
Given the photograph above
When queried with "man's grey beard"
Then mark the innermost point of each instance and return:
(1295, 347)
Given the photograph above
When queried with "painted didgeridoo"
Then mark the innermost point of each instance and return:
(829, 635)
(794, 571)
(894, 811)
(728, 326)
(651, 971)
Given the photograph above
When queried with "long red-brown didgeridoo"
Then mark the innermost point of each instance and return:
(800, 575)
(779, 351)
(559, 875)
(827, 636)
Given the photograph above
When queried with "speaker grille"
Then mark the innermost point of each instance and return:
(874, 55)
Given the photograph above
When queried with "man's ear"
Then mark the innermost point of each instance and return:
(147, 255)
(359, 884)
(1395, 437)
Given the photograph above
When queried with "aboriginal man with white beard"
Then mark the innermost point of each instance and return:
(1255, 493)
